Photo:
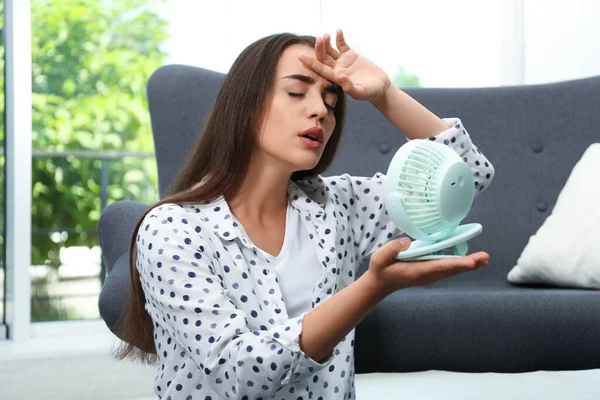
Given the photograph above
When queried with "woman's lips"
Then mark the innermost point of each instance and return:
(314, 133)
(313, 144)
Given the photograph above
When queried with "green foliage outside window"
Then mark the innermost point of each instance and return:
(91, 60)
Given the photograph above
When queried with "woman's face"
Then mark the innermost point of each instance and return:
(299, 120)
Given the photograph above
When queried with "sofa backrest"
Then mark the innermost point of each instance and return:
(533, 135)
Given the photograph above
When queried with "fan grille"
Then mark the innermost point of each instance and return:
(419, 180)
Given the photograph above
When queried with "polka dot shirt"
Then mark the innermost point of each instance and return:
(221, 328)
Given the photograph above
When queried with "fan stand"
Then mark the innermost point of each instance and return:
(456, 245)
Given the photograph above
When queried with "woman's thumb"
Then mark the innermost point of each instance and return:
(388, 252)
(345, 82)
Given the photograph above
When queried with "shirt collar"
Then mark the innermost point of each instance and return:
(227, 227)
(304, 197)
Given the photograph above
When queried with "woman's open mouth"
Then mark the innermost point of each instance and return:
(312, 137)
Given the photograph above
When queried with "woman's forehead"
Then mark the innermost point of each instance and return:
(290, 65)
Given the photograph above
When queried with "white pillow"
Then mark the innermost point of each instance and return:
(565, 251)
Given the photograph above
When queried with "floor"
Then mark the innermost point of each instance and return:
(99, 377)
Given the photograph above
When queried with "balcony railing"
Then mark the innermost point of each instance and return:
(106, 158)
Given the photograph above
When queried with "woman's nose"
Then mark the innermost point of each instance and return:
(318, 109)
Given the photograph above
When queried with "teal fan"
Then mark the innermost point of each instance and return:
(429, 191)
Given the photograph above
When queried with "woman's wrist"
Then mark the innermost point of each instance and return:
(408, 115)
(342, 311)
(374, 290)
(384, 99)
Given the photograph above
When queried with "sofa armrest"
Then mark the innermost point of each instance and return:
(115, 229)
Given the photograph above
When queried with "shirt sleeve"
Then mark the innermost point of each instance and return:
(186, 297)
(371, 225)
(364, 200)
(457, 138)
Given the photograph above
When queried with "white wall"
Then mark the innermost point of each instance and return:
(211, 34)
(459, 43)
(562, 40)
(445, 43)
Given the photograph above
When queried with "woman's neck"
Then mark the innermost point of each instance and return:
(263, 194)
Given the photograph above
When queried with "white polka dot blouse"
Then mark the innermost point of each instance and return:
(221, 328)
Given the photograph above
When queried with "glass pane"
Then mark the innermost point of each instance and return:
(2, 174)
(92, 142)
(433, 43)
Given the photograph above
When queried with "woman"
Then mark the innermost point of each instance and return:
(244, 277)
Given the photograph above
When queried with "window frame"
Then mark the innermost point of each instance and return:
(18, 86)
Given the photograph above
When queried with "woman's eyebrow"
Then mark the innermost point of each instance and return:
(307, 79)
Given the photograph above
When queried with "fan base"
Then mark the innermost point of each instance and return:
(452, 247)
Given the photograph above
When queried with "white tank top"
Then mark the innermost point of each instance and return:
(297, 268)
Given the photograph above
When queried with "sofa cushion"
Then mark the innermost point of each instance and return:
(565, 251)
(490, 326)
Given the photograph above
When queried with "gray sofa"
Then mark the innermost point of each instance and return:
(476, 322)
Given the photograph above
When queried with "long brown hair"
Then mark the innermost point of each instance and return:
(219, 160)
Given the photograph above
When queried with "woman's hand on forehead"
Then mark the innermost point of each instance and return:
(358, 76)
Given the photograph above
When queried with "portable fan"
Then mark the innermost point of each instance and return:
(429, 191)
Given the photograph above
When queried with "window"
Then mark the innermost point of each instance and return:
(91, 139)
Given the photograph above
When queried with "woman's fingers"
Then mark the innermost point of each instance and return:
(317, 66)
(448, 266)
(333, 53)
(481, 258)
(345, 83)
(386, 254)
(322, 53)
(325, 53)
(340, 42)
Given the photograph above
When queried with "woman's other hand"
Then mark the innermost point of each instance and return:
(388, 274)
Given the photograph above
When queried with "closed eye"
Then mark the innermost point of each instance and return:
(329, 107)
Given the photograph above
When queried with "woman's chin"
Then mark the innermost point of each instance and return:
(307, 165)
(302, 162)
